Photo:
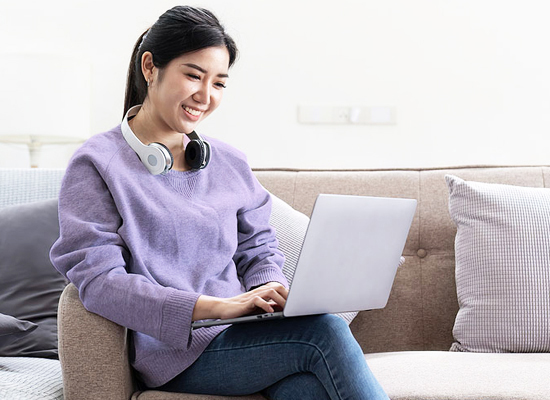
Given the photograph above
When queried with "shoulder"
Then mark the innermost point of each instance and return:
(225, 149)
(102, 150)
(231, 165)
(102, 146)
(227, 156)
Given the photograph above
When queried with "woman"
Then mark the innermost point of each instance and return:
(155, 251)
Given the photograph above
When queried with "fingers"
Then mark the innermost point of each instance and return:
(280, 289)
(263, 304)
(275, 292)
(266, 297)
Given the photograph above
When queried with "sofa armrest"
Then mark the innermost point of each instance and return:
(93, 352)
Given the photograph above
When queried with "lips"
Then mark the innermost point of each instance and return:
(192, 111)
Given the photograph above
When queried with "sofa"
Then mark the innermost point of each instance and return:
(407, 344)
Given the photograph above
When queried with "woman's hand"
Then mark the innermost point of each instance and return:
(265, 297)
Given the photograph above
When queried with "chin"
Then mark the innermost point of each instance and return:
(186, 128)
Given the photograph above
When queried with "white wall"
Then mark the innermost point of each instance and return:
(469, 79)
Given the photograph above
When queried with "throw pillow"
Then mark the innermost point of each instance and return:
(502, 251)
(30, 286)
(291, 226)
(12, 329)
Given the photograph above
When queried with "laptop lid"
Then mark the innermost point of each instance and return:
(349, 257)
(350, 254)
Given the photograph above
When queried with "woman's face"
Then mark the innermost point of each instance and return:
(188, 89)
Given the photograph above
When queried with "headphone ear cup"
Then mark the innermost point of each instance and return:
(196, 154)
(160, 162)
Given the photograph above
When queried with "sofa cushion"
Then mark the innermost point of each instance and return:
(12, 329)
(444, 375)
(502, 266)
(291, 226)
(25, 378)
(30, 286)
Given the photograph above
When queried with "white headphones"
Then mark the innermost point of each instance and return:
(156, 157)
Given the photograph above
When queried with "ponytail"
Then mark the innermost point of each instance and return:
(136, 88)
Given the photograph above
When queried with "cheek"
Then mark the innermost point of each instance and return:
(216, 100)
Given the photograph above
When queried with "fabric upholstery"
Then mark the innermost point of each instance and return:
(30, 286)
(12, 329)
(375, 183)
(443, 375)
(93, 352)
(27, 185)
(502, 266)
(26, 378)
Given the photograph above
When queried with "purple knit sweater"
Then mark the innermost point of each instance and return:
(142, 248)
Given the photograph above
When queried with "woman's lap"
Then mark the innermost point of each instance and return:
(279, 357)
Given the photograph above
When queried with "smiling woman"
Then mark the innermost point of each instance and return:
(188, 43)
(154, 240)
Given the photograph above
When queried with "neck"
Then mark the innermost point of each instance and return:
(148, 130)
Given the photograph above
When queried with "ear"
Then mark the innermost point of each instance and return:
(147, 66)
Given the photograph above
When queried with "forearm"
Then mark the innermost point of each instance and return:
(206, 307)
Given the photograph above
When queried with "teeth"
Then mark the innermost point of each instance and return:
(192, 112)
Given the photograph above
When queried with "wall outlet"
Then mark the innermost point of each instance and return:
(357, 115)
(340, 115)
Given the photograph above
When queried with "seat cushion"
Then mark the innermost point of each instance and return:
(25, 378)
(442, 375)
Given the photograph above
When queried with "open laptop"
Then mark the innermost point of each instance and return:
(349, 257)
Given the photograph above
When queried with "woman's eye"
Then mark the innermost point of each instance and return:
(196, 77)
(220, 85)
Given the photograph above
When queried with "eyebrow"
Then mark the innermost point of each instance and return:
(195, 66)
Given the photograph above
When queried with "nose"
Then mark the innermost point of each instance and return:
(202, 95)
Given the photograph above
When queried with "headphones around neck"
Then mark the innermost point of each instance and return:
(156, 157)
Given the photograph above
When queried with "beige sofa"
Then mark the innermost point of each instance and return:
(406, 344)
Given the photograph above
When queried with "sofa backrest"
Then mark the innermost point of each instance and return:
(25, 185)
(422, 307)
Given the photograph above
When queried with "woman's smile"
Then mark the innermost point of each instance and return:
(192, 113)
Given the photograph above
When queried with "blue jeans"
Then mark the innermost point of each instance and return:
(313, 357)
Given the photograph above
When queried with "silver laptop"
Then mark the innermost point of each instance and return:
(349, 257)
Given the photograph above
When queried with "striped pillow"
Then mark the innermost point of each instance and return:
(502, 250)
(290, 226)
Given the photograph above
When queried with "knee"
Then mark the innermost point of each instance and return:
(334, 331)
(331, 324)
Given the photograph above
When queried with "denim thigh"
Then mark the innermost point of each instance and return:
(279, 358)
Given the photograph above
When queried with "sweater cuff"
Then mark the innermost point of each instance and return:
(177, 314)
(265, 275)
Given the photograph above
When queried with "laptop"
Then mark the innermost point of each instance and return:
(349, 257)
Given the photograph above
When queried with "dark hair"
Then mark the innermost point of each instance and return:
(180, 30)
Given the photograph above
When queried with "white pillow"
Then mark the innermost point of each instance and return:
(502, 251)
(290, 226)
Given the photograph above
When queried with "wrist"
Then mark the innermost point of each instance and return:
(207, 307)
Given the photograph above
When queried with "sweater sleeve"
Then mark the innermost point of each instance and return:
(93, 256)
(258, 258)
